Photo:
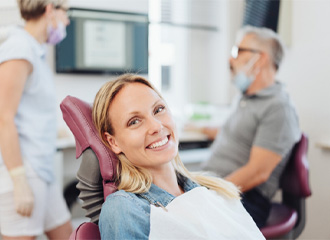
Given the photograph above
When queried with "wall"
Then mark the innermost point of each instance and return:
(193, 47)
(306, 73)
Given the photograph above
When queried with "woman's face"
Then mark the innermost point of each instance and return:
(144, 128)
(61, 15)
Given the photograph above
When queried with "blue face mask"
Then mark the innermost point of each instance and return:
(242, 81)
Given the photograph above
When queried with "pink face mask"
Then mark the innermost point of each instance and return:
(56, 35)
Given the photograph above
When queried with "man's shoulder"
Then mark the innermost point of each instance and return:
(280, 99)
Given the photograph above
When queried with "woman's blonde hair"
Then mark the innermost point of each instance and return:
(33, 9)
(133, 178)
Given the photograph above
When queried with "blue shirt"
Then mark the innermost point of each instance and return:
(126, 215)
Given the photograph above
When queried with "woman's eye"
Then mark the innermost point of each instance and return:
(159, 109)
(133, 122)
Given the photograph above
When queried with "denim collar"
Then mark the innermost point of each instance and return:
(159, 197)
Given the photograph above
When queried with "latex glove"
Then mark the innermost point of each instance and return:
(23, 196)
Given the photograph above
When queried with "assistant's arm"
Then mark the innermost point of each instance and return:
(13, 75)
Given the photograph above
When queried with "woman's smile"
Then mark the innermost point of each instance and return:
(158, 144)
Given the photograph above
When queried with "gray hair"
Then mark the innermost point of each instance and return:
(33, 9)
(268, 38)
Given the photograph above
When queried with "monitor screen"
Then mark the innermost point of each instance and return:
(104, 42)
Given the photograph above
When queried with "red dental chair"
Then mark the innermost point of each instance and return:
(78, 116)
(286, 221)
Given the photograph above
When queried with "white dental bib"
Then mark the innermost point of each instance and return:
(202, 214)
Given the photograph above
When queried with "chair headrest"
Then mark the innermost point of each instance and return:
(78, 116)
(295, 179)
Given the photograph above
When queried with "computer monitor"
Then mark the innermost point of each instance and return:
(104, 42)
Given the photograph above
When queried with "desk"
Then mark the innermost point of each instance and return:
(193, 149)
(64, 143)
(193, 158)
(193, 140)
(324, 144)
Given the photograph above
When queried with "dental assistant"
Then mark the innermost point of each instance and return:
(30, 202)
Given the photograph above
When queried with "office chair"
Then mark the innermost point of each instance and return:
(78, 116)
(287, 219)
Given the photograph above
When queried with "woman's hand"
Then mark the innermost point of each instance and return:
(23, 196)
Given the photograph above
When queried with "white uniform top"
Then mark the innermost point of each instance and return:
(202, 214)
(36, 114)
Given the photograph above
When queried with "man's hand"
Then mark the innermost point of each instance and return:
(209, 132)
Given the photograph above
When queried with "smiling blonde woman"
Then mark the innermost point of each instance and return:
(158, 197)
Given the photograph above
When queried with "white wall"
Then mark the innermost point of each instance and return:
(306, 72)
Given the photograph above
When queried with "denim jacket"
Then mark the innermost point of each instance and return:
(126, 215)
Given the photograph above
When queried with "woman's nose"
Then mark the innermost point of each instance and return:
(154, 125)
(67, 21)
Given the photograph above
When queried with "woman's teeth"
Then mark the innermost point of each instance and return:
(158, 144)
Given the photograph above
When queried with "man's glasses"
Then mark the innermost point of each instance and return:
(236, 50)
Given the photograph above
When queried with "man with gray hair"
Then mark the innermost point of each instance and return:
(253, 146)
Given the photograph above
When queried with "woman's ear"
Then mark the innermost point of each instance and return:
(113, 143)
(49, 15)
(49, 10)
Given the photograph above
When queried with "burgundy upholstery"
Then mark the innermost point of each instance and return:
(78, 116)
(86, 231)
(281, 220)
(295, 179)
(288, 218)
